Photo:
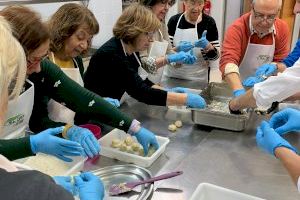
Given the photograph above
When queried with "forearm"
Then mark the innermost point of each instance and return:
(178, 99)
(16, 148)
(290, 160)
(281, 67)
(233, 80)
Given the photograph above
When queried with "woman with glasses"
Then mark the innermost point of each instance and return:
(255, 39)
(160, 52)
(201, 31)
(51, 82)
(71, 28)
(113, 69)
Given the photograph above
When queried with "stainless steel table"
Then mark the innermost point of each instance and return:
(224, 158)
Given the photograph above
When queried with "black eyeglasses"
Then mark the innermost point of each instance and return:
(261, 17)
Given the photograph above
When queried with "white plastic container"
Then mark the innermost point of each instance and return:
(108, 151)
(207, 191)
(70, 167)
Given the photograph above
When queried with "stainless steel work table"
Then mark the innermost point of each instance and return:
(224, 158)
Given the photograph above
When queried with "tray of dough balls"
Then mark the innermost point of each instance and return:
(121, 146)
(217, 114)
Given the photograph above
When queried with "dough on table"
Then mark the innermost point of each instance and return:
(178, 123)
(116, 143)
(172, 127)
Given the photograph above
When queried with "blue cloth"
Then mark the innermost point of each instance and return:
(47, 142)
(268, 140)
(293, 56)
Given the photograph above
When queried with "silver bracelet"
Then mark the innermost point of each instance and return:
(151, 65)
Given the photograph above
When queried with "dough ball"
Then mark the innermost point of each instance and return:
(128, 141)
(135, 146)
(178, 123)
(123, 147)
(141, 151)
(116, 143)
(172, 127)
(129, 149)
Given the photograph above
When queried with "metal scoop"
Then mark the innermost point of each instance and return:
(116, 189)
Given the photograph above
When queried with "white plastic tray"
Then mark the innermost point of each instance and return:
(73, 167)
(207, 191)
(108, 151)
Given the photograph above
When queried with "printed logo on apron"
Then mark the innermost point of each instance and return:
(198, 70)
(255, 56)
(158, 49)
(18, 113)
(58, 112)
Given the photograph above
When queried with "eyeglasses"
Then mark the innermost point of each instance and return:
(34, 60)
(261, 17)
(149, 35)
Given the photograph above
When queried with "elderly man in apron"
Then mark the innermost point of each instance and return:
(199, 29)
(254, 39)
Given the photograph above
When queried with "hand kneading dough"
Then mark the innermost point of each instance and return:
(172, 127)
(178, 124)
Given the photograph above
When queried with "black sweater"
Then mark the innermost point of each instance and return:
(111, 73)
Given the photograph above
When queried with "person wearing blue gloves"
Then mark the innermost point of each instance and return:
(160, 52)
(120, 59)
(199, 32)
(31, 184)
(276, 88)
(270, 139)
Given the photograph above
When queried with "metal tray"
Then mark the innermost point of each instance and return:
(219, 92)
(124, 173)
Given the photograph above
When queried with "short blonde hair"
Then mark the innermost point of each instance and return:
(12, 67)
(135, 19)
(66, 20)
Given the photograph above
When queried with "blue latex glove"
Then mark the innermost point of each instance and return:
(202, 42)
(89, 186)
(251, 80)
(184, 46)
(266, 70)
(178, 90)
(195, 101)
(86, 138)
(268, 140)
(65, 182)
(239, 92)
(146, 138)
(114, 102)
(285, 121)
(178, 57)
(46, 142)
(190, 59)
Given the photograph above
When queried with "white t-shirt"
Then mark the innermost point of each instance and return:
(278, 88)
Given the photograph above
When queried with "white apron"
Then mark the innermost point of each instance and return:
(255, 56)
(158, 49)
(58, 112)
(125, 96)
(18, 114)
(196, 71)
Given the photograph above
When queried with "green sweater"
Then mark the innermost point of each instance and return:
(52, 82)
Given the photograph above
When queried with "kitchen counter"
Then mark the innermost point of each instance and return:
(224, 158)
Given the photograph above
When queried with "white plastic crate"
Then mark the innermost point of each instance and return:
(207, 191)
(108, 151)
